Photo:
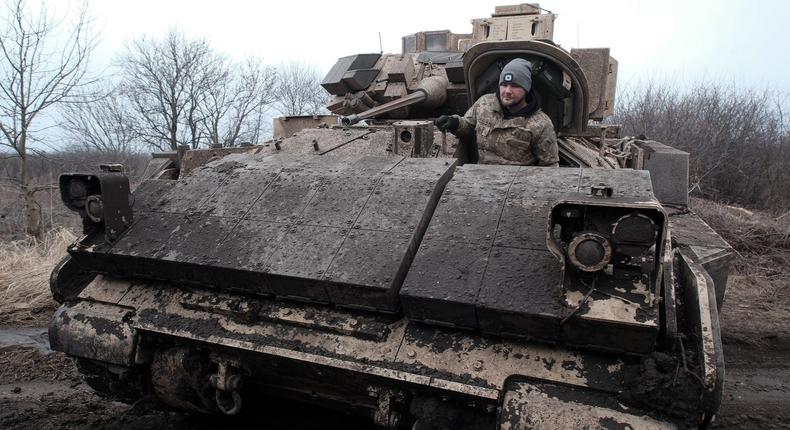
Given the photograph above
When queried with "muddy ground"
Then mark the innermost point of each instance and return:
(756, 337)
(40, 389)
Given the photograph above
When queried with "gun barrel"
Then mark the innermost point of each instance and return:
(407, 100)
(431, 92)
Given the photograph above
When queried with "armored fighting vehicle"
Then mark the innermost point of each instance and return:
(363, 260)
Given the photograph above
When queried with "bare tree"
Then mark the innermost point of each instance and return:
(233, 110)
(167, 81)
(185, 93)
(106, 124)
(736, 137)
(43, 63)
(299, 91)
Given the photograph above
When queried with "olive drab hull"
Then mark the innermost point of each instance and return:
(363, 261)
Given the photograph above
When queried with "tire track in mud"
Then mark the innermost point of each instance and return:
(756, 382)
(755, 398)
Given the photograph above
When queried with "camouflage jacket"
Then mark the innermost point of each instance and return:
(518, 140)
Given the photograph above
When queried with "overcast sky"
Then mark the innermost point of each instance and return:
(680, 41)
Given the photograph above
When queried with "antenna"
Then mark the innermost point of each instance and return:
(381, 49)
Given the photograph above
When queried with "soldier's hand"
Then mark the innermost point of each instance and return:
(447, 123)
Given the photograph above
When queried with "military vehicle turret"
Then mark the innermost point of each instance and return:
(364, 261)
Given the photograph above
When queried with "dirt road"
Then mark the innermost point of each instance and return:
(41, 389)
(756, 336)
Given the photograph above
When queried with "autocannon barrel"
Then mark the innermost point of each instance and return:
(431, 92)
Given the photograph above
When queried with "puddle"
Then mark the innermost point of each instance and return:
(32, 337)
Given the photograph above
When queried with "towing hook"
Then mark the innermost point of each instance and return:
(226, 389)
(229, 402)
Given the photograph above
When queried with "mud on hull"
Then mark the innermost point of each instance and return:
(204, 351)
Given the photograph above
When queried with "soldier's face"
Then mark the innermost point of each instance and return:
(512, 96)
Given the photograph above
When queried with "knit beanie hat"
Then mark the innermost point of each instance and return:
(517, 72)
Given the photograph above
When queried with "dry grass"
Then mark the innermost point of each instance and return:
(763, 244)
(762, 239)
(24, 278)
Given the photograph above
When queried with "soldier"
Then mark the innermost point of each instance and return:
(509, 126)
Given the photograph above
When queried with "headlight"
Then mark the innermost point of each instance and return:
(589, 251)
